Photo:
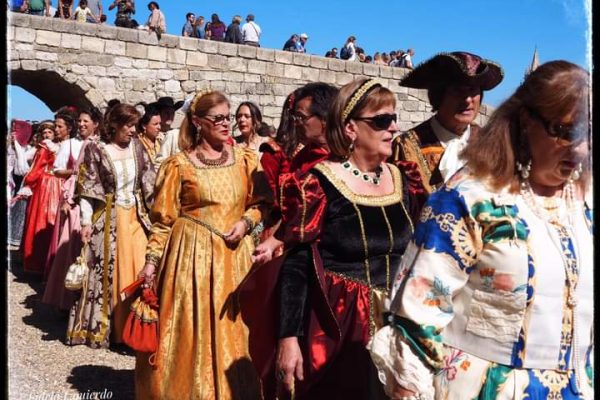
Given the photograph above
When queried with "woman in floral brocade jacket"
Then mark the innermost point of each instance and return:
(493, 297)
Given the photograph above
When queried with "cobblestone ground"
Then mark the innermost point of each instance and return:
(42, 367)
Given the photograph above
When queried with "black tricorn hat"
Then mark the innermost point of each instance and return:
(167, 102)
(458, 67)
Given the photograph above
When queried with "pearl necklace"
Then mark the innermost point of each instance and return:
(357, 173)
(556, 217)
(554, 210)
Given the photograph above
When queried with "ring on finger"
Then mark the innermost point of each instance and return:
(281, 375)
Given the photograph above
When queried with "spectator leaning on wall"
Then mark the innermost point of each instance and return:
(188, 27)
(251, 32)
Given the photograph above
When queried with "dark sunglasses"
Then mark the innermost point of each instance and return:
(218, 119)
(381, 121)
(561, 132)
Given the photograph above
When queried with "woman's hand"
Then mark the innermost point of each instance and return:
(289, 362)
(65, 207)
(148, 273)
(236, 233)
(86, 233)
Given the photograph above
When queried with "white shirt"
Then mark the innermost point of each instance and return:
(453, 144)
(352, 51)
(251, 32)
(68, 147)
(169, 145)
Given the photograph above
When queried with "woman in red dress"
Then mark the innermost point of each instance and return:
(44, 203)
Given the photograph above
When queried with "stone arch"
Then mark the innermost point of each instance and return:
(50, 87)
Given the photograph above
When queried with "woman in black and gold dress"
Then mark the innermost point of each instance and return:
(347, 224)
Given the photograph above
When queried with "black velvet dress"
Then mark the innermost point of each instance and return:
(345, 249)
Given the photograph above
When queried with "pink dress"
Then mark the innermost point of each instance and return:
(66, 243)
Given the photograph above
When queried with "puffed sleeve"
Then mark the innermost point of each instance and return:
(40, 161)
(271, 161)
(88, 177)
(416, 190)
(165, 208)
(259, 200)
(62, 157)
(302, 204)
(435, 267)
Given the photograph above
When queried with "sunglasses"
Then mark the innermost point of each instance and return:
(381, 121)
(301, 119)
(218, 119)
(561, 132)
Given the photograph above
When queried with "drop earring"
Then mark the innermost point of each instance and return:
(576, 174)
(524, 170)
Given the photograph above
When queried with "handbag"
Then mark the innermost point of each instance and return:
(141, 327)
(78, 271)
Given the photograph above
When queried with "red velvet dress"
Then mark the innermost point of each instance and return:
(341, 250)
(41, 210)
(274, 162)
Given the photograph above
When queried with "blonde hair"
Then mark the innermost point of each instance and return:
(376, 96)
(200, 105)
(554, 89)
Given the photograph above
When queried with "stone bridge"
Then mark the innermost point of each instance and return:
(68, 63)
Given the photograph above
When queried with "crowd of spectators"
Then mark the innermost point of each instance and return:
(248, 33)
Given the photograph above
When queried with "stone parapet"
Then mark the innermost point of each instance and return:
(103, 62)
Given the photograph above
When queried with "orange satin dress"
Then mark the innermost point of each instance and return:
(203, 351)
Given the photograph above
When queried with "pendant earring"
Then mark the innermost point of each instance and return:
(524, 169)
(576, 174)
(351, 148)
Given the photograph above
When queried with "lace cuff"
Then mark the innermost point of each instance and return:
(397, 364)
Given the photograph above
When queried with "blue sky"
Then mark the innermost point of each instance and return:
(506, 31)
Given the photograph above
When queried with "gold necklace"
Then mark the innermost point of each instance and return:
(213, 162)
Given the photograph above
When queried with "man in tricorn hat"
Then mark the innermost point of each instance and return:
(167, 108)
(455, 83)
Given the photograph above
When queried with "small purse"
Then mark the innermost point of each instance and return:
(78, 271)
(141, 327)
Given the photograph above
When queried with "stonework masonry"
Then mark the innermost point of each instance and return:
(53, 58)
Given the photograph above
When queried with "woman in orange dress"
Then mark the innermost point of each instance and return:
(209, 197)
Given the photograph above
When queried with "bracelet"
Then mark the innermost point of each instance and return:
(152, 258)
(248, 222)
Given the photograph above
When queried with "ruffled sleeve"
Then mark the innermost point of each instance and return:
(303, 203)
(259, 198)
(435, 267)
(165, 208)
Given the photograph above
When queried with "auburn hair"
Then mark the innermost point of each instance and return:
(200, 105)
(376, 97)
(554, 89)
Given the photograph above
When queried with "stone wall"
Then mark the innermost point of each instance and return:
(65, 62)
